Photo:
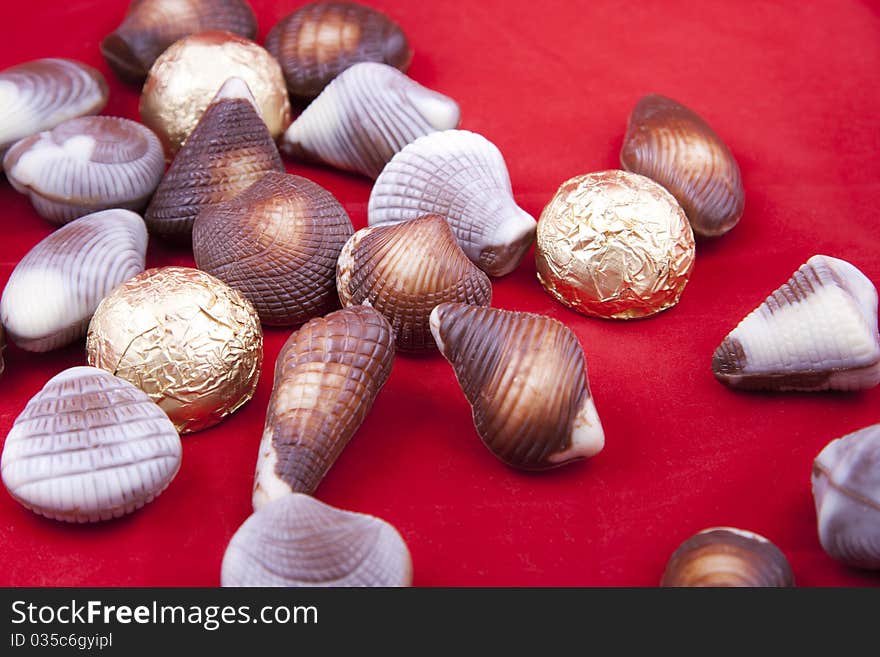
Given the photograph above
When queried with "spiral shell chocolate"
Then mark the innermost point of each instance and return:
(818, 331)
(327, 377)
(54, 290)
(671, 144)
(320, 40)
(151, 26)
(89, 447)
(461, 176)
(86, 164)
(298, 541)
(525, 377)
(229, 150)
(365, 116)
(404, 270)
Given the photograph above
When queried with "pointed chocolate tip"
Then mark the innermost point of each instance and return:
(729, 358)
(236, 89)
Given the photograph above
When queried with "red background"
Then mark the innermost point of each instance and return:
(791, 87)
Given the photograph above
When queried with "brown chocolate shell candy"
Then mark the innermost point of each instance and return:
(327, 377)
(277, 243)
(526, 379)
(318, 41)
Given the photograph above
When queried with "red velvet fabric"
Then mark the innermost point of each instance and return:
(791, 87)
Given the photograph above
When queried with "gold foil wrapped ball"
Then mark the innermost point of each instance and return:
(187, 339)
(185, 78)
(614, 244)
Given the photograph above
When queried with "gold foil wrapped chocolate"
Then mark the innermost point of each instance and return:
(187, 76)
(187, 339)
(614, 244)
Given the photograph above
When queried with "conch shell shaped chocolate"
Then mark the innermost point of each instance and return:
(229, 150)
(525, 377)
(327, 377)
(151, 26)
(846, 490)
(671, 144)
(818, 331)
(298, 541)
(86, 164)
(54, 290)
(404, 270)
(277, 243)
(40, 94)
(365, 116)
(727, 557)
(320, 40)
(89, 447)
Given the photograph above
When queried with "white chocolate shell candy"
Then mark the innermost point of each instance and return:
(846, 490)
(526, 379)
(87, 164)
(816, 332)
(54, 290)
(88, 447)
(366, 115)
(298, 541)
(461, 176)
(40, 94)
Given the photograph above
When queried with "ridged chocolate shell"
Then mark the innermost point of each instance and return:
(525, 377)
(727, 557)
(671, 144)
(327, 377)
(366, 115)
(461, 176)
(319, 40)
(277, 243)
(229, 150)
(89, 447)
(403, 271)
(54, 290)
(816, 332)
(150, 26)
(298, 541)
(846, 490)
(40, 94)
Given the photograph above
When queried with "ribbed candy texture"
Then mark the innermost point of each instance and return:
(526, 380)
(327, 377)
(365, 116)
(404, 270)
(298, 541)
(86, 164)
(461, 176)
(89, 447)
(816, 332)
(54, 290)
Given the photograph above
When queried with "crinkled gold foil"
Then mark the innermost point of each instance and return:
(614, 244)
(187, 339)
(187, 76)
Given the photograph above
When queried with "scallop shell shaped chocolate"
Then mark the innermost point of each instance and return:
(229, 150)
(365, 116)
(38, 95)
(816, 332)
(89, 447)
(846, 490)
(327, 377)
(525, 377)
(461, 176)
(298, 541)
(54, 290)
(150, 26)
(86, 164)
(727, 557)
(672, 145)
(406, 269)
(320, 40)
